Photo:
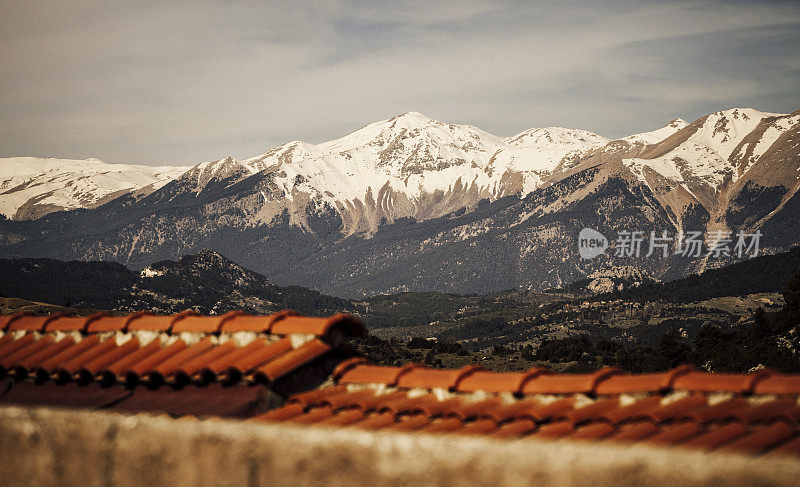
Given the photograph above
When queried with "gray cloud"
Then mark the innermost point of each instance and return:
(179, 83)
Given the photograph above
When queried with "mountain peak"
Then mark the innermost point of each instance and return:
(210, 254)
(678, 123)
(412, 115)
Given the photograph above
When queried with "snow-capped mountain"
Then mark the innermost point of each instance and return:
(702, 163)
(31, 187)
(406, 166)
(701, 153)
(411, 203)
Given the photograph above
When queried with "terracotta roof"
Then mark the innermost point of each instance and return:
(751, 413)
(100, 360)
(290, 368)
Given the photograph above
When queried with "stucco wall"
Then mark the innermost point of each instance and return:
(41, 446)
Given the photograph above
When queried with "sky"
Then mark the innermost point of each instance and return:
(177, 83)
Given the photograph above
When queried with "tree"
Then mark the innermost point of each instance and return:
(791, 295)
(672, 349)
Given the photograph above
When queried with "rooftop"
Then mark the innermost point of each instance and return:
(286, 369)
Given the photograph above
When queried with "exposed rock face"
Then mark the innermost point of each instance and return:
(615, 279)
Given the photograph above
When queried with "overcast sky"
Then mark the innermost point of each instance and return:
(184, 82)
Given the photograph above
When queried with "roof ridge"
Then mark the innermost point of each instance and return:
(540, 380)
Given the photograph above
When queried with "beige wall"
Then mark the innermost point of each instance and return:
(57, 447)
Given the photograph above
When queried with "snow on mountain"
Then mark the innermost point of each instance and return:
(199, 176)
(548, 148)
(748, 152)
(31, 187)
(411, 165)
(702, 158)
(655, 136)
(722, 131)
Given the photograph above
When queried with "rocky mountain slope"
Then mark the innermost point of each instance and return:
(206, 282)
(410, 203)
(31, 187)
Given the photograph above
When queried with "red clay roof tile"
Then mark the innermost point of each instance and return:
(555, 429)
(761, 438)
(12, 345)
(5, 319)
(375, 374)
(627, 412)
(443, 425)
(634, 432)
(12, 359)
(116, 369)
(503, 412)
(23, 366)
(313, 415)
(778, 384)
(591, 411)
(69, 367)
(593, 431)
(404, 404)
(294, 324)
(669, 411)
(780, 409)
(621, 384)
(435, 378)
(150, 322)
(6, 340)
(376, 421)
(717, 437)
(343, 418)
(409, 423)
(196, 323)
(549, 411)
(707, 382)
(515, 428)
(30, 322)
(281, 414)
(464, 410)
(261, 355)
(93, 367)
(346, 365)
(212, 400)
(112, 322)
(311, 397)
(375, 401)
(723, 411)
(567, 383)
(676, 433)
(488, 381)
(478, 427)
(344, 398)
(134, 370)
(174, 362)
(205, 358)
(68, 323)
(252, 323)
(289, 361)
(48, 367)
(218, 364)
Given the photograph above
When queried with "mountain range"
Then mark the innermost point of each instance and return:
(410, 203)
(31, 187)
